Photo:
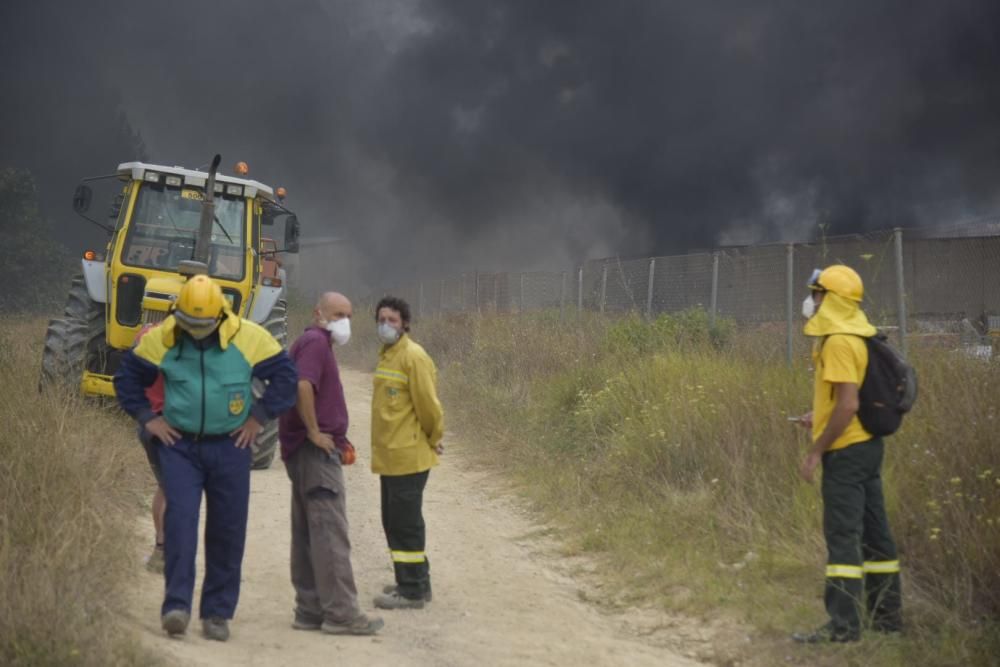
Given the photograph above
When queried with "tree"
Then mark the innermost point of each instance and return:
(36, 267)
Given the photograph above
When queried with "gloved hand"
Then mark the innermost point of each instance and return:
(347, 454)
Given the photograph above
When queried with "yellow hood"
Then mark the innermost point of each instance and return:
(230, 325)
(837, 315)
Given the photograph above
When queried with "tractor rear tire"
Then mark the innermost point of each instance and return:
(75, 340)
(266, 444)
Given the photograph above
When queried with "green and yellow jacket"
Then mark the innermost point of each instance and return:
(207, 383)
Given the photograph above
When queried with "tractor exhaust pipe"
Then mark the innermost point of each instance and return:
(204, 240)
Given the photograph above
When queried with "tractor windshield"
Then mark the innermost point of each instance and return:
(165, 224)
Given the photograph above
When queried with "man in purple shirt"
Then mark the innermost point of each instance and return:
(313, 441)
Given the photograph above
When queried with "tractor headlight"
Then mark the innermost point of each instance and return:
(235, 190)
(151, 177)
(174, 181)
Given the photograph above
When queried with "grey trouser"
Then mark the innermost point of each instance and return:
(321, 549)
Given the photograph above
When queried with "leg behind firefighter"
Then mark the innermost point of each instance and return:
(154, 563)
(326, 597)
(222, 472)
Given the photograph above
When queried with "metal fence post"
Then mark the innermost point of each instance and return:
(562, 297)
(475, 290)
(900, 290)
(441, 298)
(579, 293)
(520, 295)
(715, 289)
(604, 287)
(790, 300)
(649, 289)
(496, 292)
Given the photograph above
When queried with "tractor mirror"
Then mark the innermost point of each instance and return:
(270, 214)
(292, 234)
(82, 198)
(116, 206)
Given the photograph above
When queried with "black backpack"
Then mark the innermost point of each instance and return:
(888, 390)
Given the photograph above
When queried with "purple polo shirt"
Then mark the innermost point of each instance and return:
(313, 357)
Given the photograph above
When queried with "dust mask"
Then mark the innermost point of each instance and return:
(340, 330)
(388, 334)
(808, 307)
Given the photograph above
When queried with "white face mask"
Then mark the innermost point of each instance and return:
(388, 334)
(808, 307)
(340, 330)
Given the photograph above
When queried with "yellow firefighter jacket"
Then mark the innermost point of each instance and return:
(407, 419)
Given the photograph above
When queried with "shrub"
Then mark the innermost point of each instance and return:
(70, 481)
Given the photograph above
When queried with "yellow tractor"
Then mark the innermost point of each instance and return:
(169, 223)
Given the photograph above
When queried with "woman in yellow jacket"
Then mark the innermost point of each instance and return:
(407, 427)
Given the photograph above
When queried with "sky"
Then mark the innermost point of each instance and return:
(448, 135)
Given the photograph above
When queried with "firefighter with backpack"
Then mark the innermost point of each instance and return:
(853, 365)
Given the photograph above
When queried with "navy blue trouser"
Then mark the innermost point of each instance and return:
(222, 472)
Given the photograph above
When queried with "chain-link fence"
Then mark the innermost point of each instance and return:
(916, 283)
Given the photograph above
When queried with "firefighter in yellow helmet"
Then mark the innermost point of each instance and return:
(862, 562)
(208, 357)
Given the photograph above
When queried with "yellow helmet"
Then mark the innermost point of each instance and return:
(199, 305)
(841, 280)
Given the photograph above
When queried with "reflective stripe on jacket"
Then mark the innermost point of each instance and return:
(407, 419)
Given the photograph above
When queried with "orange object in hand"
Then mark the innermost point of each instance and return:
(347, 454)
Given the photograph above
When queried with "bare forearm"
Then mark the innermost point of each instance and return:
(839, 421)
(306, 406)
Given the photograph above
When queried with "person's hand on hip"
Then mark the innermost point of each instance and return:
(162, 431)
(247, 434)
(323, 441)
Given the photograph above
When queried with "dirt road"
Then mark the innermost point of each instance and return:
(502, 596)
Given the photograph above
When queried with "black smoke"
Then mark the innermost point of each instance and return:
(450, 134)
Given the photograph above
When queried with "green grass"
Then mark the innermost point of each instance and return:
(72, 481)
(664, 450)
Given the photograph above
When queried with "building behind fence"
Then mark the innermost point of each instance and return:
(914, 279)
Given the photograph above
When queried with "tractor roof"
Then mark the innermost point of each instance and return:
(137, 171)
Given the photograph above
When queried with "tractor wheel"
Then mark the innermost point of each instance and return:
(75, 341)
(266, 445)
(79, 305)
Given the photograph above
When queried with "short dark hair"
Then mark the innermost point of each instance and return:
(397, 304)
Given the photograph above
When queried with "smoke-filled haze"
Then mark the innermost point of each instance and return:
(517, 134)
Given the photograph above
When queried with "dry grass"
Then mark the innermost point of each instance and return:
(664, 450)
(72, 479)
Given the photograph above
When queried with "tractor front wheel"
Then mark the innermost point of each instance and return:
(74, 341)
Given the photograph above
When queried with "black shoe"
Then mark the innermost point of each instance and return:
(216, 628)
(305, 621)
(395, 600)
(392, 588)
(175, 622)
(825, 634)
(360, 625)
(888, 628)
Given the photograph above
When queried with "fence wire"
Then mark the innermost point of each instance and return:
(939, 284)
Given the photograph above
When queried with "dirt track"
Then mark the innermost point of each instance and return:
(501, 594)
